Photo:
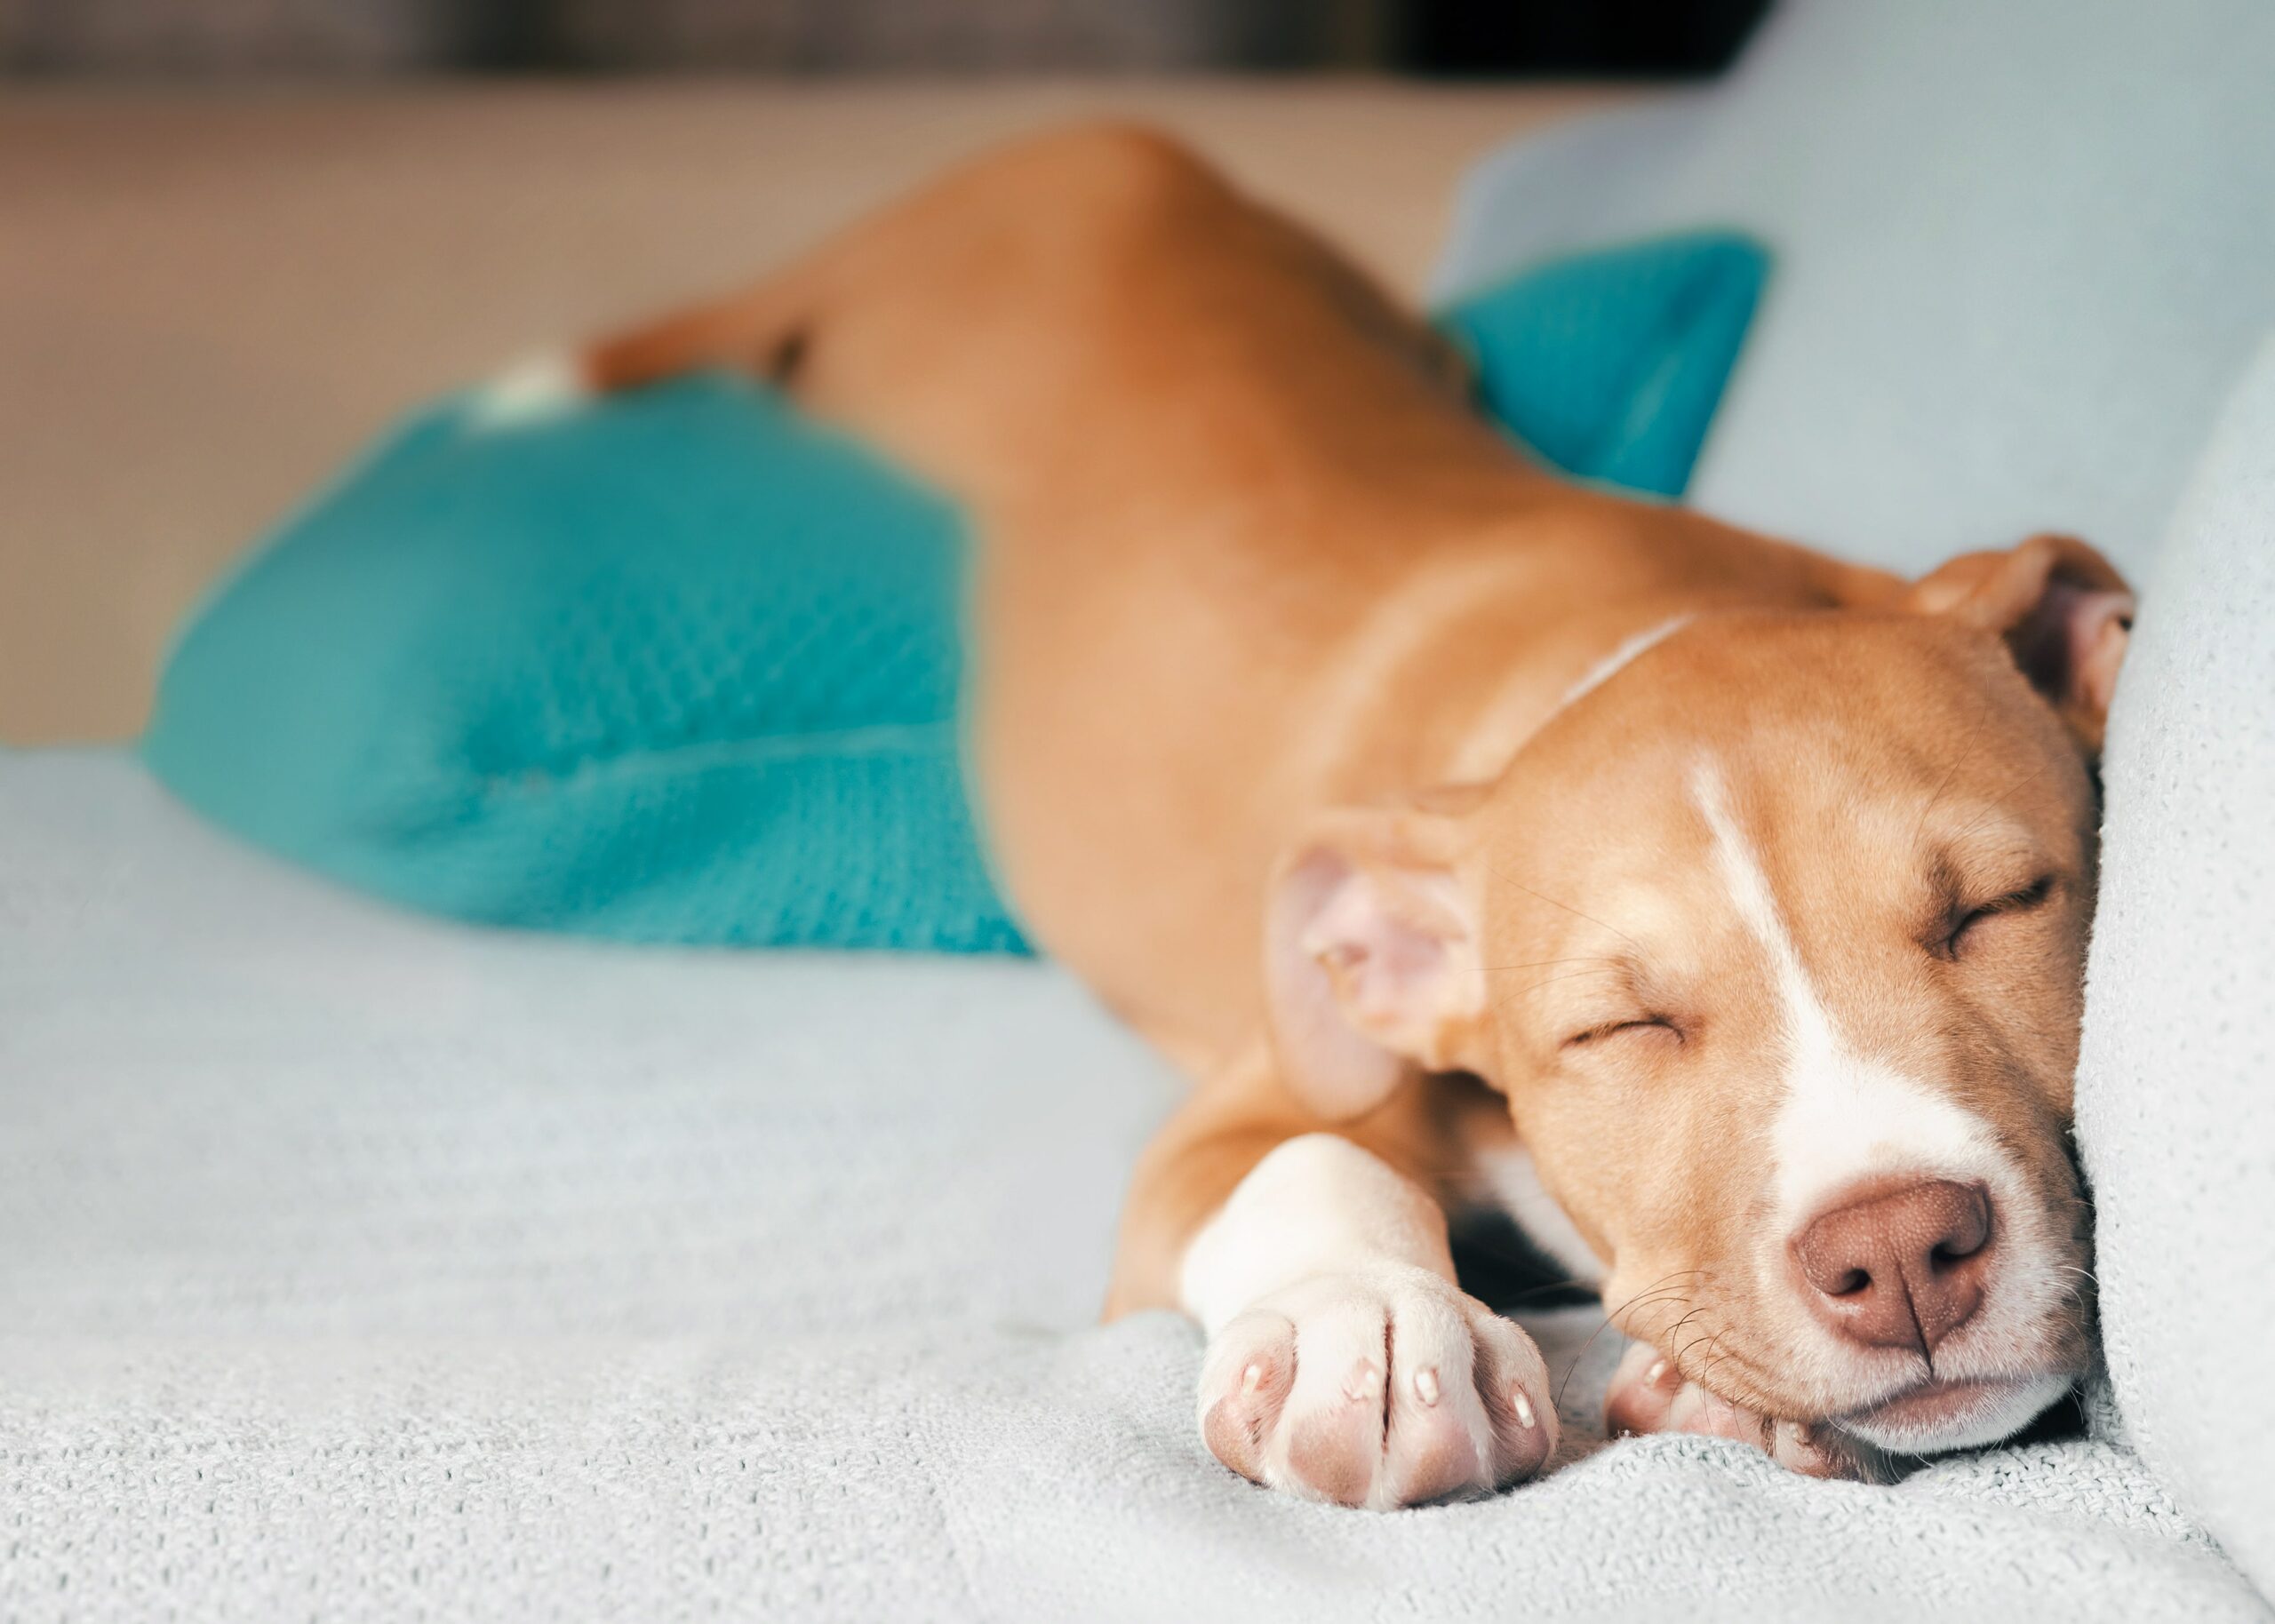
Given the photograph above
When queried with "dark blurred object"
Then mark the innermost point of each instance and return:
(198, 39)
(1595, 38)
(182, 38)
(950, 35)
(206, 37)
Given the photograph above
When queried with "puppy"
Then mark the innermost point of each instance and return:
(1474, 838)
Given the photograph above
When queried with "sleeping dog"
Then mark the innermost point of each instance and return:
(1473, 839)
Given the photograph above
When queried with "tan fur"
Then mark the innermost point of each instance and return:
(1249, 556)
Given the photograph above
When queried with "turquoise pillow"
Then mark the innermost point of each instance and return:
(1610, 364)
(683, 667)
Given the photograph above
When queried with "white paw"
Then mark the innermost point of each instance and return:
(1648, 1394)
(1381, 1388)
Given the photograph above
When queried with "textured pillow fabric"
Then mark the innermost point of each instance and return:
(1610, 364)
(2176, 1085)
(679, 669)
(683, 666)
(2022, 246)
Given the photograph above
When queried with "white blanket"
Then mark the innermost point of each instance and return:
(355, 1266)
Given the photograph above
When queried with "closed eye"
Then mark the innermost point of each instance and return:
(1615, 1029)
(1968, 925)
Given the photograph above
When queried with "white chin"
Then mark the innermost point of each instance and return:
(1967, 1417)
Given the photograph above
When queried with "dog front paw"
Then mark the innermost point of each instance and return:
(1381, 1388)
(1648, 1394)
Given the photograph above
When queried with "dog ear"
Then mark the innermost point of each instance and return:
(1370, 958)
(2064, 612)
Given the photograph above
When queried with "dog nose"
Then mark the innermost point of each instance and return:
(1902, 1268)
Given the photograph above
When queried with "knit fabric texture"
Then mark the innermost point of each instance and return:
(2176, 1113)
(364, 1267)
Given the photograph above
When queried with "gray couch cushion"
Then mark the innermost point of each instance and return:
(2022, 247)
(2176, 1089)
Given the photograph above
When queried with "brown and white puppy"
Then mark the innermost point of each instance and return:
(1473, 837)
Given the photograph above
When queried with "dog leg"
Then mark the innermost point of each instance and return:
(760, 330)
(1648, 1394)
(1344, 1363)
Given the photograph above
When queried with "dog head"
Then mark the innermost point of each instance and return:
(1773, 937)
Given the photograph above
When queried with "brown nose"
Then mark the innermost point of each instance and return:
(1902, 1268)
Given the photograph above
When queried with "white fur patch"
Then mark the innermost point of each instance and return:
(1315, 1205)
(536, 390)
(1845, 1117)
(1344, 1361)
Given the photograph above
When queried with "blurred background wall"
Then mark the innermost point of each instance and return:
(234, 38)
(241, 236)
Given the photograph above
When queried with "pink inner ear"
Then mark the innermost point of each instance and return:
(2071, 643)
(1362, 970)
(1327, 1062)
(1390, 972)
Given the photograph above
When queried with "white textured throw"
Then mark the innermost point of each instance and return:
(354, 1266)
(2176, 1085)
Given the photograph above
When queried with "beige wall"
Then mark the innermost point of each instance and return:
(206, 303)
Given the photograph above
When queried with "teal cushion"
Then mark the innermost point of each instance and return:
(683, 666)
(1610, 365)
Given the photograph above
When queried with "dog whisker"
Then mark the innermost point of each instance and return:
(1568, 908)
(1662, 1285)
(1542, 964)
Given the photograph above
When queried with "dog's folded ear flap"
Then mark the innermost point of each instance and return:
(2065, 613)
(1370, 958)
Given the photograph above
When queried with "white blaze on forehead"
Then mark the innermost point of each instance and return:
(1843, 1116)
